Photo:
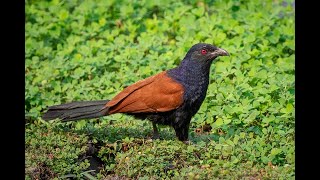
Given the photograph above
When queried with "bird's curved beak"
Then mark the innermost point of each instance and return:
(218, 52)
(221, 52)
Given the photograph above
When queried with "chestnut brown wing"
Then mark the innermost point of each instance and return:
(158, 93)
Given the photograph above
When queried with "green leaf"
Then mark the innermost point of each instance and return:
(242, 135)
(265, 159)
(63, 14)
(249, 39)
(289, 108)
(198, 11)
(80, 124)
(220, 38)
(236, 139)
(102, 21)
(275, 151)
(218, 122)
(89, 176)
(221, 140)
(229, 142)
(226, 121)
(252, 116)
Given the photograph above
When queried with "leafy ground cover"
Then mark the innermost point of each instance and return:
(90, 50)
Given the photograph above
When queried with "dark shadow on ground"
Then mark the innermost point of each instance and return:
(126, 134)
(112, 132)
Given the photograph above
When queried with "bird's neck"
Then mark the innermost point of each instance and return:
(194, 76)
(190, 72)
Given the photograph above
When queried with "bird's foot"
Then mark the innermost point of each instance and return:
(155, 136)
(187, 142)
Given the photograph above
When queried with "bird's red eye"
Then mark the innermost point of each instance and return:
(203, 51)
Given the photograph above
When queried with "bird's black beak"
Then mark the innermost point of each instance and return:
(221, 52)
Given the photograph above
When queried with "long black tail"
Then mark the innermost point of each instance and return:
(76, 110)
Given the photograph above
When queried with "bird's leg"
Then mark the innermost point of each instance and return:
(155, 131)
(182, 133)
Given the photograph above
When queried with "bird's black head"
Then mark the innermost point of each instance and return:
(203, 52)
(196, 64)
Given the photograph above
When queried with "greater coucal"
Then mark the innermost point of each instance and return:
(171, 97)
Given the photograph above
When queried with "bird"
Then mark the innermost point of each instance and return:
(171, 97)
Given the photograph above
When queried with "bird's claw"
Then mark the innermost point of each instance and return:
(188, 142)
